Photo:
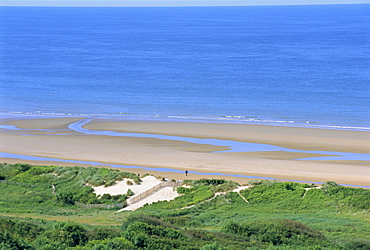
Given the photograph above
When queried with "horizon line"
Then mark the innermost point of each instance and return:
(121, 4)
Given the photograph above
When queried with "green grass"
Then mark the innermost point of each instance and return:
(333, 217)
(53, 190)
(330, 210)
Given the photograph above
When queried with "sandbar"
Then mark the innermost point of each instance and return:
(52, 138)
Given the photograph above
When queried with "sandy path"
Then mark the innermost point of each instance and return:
(148, 182)
(164, 194)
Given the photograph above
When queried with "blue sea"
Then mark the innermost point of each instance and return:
(293, 65)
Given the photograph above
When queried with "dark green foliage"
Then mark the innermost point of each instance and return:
(184, 190)
(139, 217)
(180, 221)
(140, 227)
(208, 182)
(65, 197)
(277, 232)
(130, 193)
(70, 233)
(9, 242)
(43, 243)
(102, 233)
(358, 244)
(37, 234)
(213, 246)
(20, 228)
(118, 243)
(147, 232)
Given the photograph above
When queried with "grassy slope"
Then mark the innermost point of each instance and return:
(340, 214)
(334, 211)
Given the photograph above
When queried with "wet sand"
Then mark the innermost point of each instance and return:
(57, 141)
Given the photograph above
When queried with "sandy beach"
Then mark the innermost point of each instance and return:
(53, 139)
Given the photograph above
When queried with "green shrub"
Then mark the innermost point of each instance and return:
(356, 197)
(357, 244)
(69, 233)
(130, 193)
(208, 182)
(9, 242)
(102, 233)
(139, 217)
(277, 232)
(213, 246)
(184, 190)
(20, 228)
(65, 198)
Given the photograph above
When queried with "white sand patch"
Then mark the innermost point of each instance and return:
(122, 187)
(240, 188)
(164, 194)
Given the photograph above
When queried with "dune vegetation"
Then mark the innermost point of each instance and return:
(38, 211)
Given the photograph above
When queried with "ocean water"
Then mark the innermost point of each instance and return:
(295, 65)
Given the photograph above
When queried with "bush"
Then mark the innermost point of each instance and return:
(213, 246)
(184, 190)
(130, 193)
(277, 232)
(20, 228)
(65, 198)
(69, 233)
(102, 233)
(208, 182)
(9, 242)
(357, 244)
(138, 217)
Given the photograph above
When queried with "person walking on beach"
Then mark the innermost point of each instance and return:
(186, 172)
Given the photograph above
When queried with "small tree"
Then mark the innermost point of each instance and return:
(130, 193)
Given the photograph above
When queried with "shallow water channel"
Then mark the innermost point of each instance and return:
(234, 146)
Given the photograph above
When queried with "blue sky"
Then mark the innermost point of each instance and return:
(171, 2)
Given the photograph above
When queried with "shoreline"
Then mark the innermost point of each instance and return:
(232, 119)
(46, 140)
(180, 174)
